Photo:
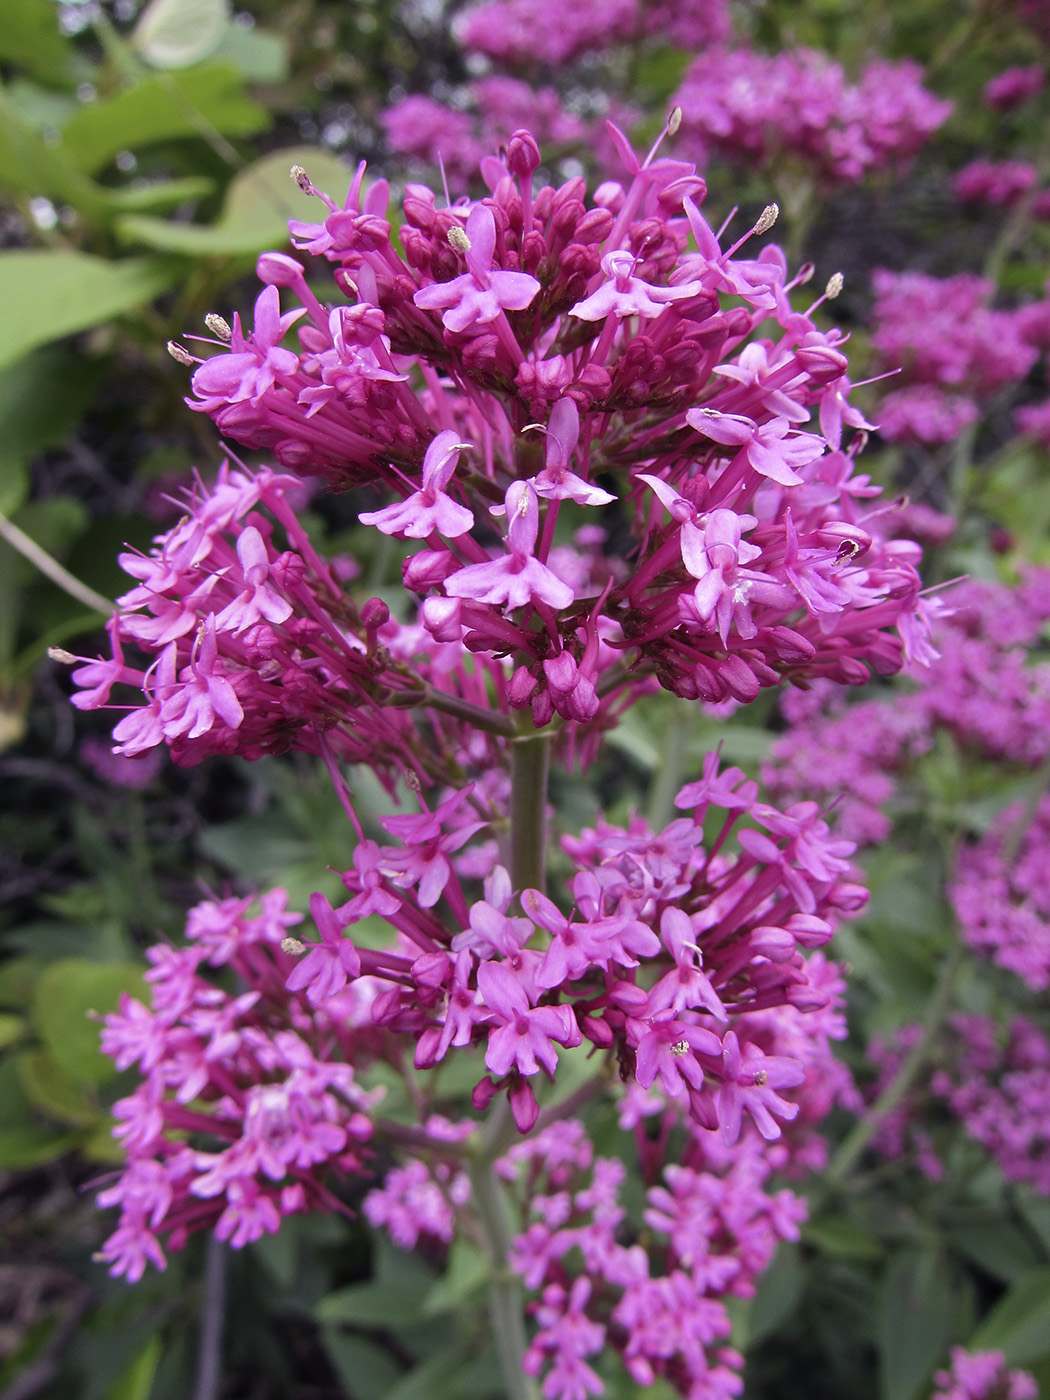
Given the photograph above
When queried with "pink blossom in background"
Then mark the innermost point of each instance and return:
(1001, 182)
(756, 107)
(983, 1375)
(1013, 86)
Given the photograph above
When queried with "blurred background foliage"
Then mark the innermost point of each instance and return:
(144, 157)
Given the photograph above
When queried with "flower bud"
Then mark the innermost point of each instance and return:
(523, 154)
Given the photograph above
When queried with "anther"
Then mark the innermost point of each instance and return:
(301, 178)
(458, 239)
(767, 218)
(835, 284)
(178, 352)
(219, 326)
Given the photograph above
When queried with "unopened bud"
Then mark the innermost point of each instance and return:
(767, 218)
(219, 326)
(674, 121)
(458, 239)
(66, 658)
(178, 352)
(301, 178)
(835, 284)
(293, 947)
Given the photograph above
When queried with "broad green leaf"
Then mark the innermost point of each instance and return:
(162, 108)
(50, 294)
(259, 203)
(371, 1305)
(178, 33)
(840, 1237)
(12, 1028)
(917, 1313)
(366, 1369)
(778, 1294)
(21, 1148)
(68, 1000)
(30, 38)
(1019, 1324)
(34, 416)
(51, 1089)
(137, 1381)
(439, 1377)
(17, 979)
(465, 1273)
(165, 194)
(999, 1248)
(33, 167)
(258, 55)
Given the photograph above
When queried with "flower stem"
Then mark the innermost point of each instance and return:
(529, 765)
(857, 1140)
(506, 1302)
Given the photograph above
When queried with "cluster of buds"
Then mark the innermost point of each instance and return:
(563, 368)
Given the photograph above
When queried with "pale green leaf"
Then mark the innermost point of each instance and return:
(163, 108)
(178, 33)
(259, 203)
(49, 294)
(1019, 1324)
(69, 1000)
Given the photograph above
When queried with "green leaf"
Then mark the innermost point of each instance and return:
(1019, 1324)
(162, 109)
(12, 1028)
(365, 1368)
(465, 1273)
(439, 1377)
(917, 1310)
(258, 55)
(259, 203)
(21, 1148)
(47, 295)
(371, 1305)
(17, 979)
(29, 164)
(30, 39)
(842, 1238)
(178, 33)
(999, 1248)
(778, 1294)
(50, 1088)
(163, 194)
(34, 417)
(137, 1381)
(68, 1000)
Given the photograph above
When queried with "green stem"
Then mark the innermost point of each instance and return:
(529, 765)
(857, 1140)
(52, 569)
(668, 778)
(506, 1297)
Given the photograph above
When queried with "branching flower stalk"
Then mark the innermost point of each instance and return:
(586, 427)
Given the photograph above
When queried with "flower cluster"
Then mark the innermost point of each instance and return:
(573, 355)
(862, 750)
(1001, 182)
(983, 1375)
(988, 688)
(759, 108)
(999, 1088)
(424, 131)
(995, 1082)
(243, 1109)
(519, 33)
(1001, 893)
(953, 348)
(714, 1230)
(1013, 87)
(672, 960)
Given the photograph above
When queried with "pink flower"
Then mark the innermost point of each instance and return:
(525, 1039)
(518, 578)
(428, 509)
(481, 293)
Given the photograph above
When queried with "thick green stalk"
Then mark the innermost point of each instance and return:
(529, 765)
(852, 1149)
